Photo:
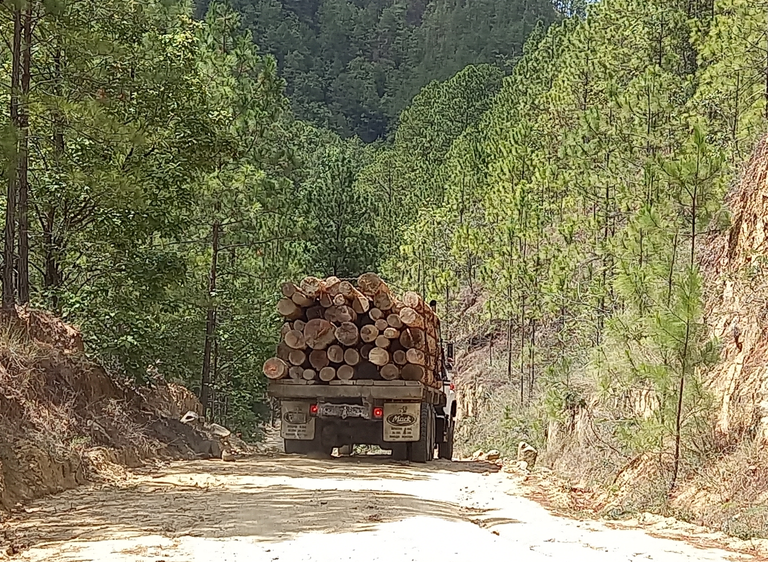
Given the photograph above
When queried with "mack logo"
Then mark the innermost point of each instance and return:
(295, 417)
(401, 420)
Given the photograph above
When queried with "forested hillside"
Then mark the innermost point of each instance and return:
(353, 65)
(551, 175)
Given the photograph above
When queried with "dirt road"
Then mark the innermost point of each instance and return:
(281, 508)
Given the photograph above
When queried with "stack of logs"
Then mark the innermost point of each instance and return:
(336, 331)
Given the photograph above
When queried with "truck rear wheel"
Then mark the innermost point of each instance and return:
(423, 450)
(445, 449)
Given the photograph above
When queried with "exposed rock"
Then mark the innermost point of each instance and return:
(477, 455)
(228, 456)
(527, 454)
(492, 455)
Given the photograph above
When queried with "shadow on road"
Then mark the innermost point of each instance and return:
(265, 498)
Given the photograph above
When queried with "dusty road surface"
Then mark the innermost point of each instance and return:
(286, 508)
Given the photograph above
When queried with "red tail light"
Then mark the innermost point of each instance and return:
(313, 409)
(378, 412)
(452, 387)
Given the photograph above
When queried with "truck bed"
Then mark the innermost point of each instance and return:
(372, 389)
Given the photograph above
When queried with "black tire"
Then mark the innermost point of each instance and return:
(295, 447)
(400, 451)
(423, 450)
(445, 449)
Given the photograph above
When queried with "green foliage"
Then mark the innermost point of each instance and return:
(577, 202)
(353, 66)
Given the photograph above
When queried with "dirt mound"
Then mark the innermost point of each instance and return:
(736, 269)
(62, 416)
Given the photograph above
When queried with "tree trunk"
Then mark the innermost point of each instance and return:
(23, 165)
(210, 323)
(9, 249)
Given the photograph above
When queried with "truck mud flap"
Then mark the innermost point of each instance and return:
(295, 421)
(401, 421)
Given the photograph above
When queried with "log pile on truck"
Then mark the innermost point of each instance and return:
(336, 330)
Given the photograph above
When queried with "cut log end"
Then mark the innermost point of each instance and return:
(347, 334)
(327, 374)
(390, 372)
(378, 356)
(345, 372)
(351, 357)
(295, 340)
(289, 309)
(275, 368)
(411, 372)
(335, 354)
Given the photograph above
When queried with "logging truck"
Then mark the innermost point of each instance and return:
(356, 365)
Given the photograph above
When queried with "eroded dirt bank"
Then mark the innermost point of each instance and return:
(282, 507)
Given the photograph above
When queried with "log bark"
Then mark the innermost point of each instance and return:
(347, 334)
(392, 333)
(325, 300)
(314, 312)
(366, 350)
(399, 357)
(394, 321)
(340, 314)
(296, 372)
(301, 299)
(383, 300)
(375, 314)
(312, 286)
(378, 356)
(369, 284)
(411, 372)
(299, 325)
(309, 374)
(369, 333)
(345, 373)
(318, 359)
(332, 285)
(319, 333)
(283, 351)
(351, 357)
(289, 309)
(413, 338)
(297, 357)
(416, 356)
(275, 368)
(287, 327)
(295, 340)
(411, 318)
(390, 372)
(327, 374)
(383, 342)
(335, 354)
(287, 289)
(360, 304)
